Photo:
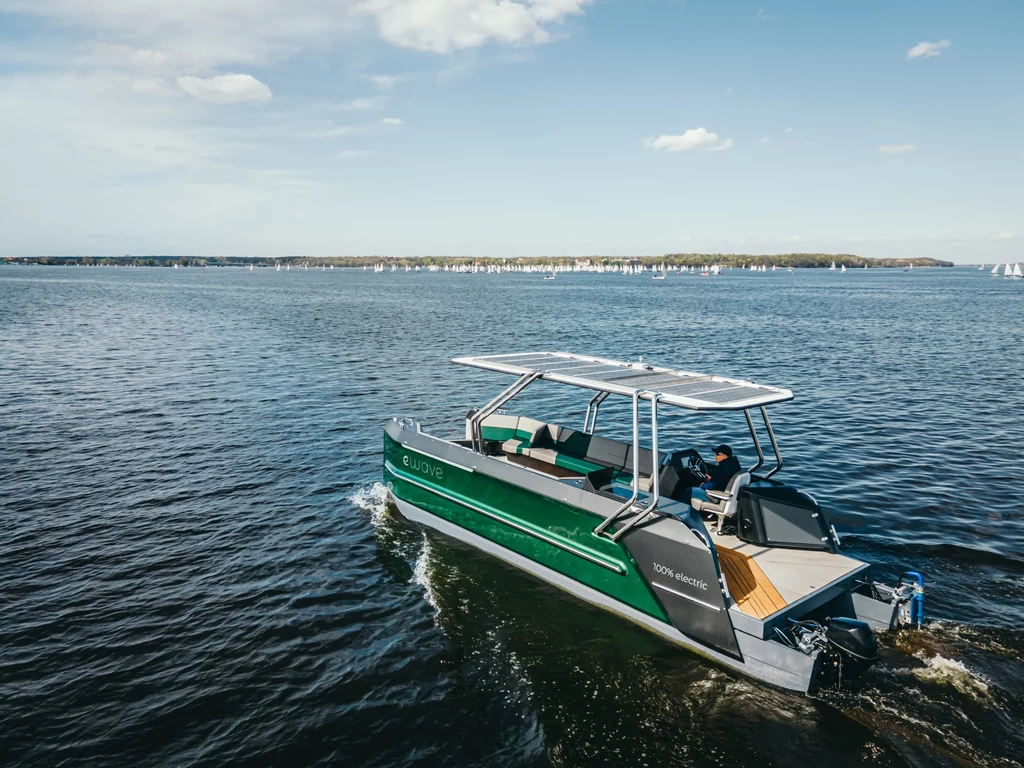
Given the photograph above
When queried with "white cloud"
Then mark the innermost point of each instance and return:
(225, 89)
(1004, 236)
(352, 154)
(927, 50)
(791, 239)
(442, 26)
(762, 16)
(695, 138)
(788, 129)
(897, 149)
(364, 104)
(764, 141)
(393, 121)
(211, 33)
(154, 86)
(385, 82)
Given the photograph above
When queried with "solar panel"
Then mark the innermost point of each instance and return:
(675, 387)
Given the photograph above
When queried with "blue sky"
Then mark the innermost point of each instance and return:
(511, 128)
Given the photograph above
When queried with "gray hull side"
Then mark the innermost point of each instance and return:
(764, 660)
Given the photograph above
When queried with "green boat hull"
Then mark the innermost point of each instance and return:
(551, 533)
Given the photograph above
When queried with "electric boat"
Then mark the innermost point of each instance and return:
(752, 579)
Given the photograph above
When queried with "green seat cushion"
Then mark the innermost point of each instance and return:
(525, 436)
(574, 443)
(501, 434)
(577, 465)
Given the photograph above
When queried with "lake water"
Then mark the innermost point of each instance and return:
(197, 566)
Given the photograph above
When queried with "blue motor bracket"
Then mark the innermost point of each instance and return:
(915, 592)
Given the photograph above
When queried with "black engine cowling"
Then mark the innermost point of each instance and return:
(854, 643)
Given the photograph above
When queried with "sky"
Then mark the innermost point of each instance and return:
(511, 128)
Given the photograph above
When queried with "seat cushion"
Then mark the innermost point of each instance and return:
(577, 465)
(514, 446)
(503, 427)
(705, 505)
(499, 426)
(572, 442)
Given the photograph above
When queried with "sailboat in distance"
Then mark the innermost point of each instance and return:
(842, 268)
(1016, 271)
(662, 275)
(1007, 272)
(995, 271)
(552, 275)
(833, 267)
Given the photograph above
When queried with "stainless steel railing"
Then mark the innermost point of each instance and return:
(474, 423)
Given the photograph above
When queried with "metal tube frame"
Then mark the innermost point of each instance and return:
(474, 424)
(636, 469)
(775, 444)
(757, 443)
(590, 422)
(590, 404)
(655, 472)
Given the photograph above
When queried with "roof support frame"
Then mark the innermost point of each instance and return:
(775, 444)
(757, 443)
(636, 470)
(655, 472)
(520, 384)
(590, 421)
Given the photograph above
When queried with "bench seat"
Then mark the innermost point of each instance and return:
(566, 448)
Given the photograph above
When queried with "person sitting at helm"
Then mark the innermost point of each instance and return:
(728, 466)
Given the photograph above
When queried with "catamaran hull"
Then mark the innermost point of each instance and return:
(768, 662)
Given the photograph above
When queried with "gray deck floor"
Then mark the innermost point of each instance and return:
(795, 573)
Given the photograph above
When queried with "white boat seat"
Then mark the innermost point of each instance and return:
(723, 503)
(645, 484)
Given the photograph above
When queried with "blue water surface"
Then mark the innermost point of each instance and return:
(198, 567)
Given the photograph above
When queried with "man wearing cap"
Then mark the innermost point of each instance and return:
(728, 466)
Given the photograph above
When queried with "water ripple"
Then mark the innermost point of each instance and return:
(199, 566)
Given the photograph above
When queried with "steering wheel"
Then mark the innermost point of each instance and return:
(689, 466)
(698, 468)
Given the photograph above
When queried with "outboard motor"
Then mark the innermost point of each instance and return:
(854, 642)
(847, 647)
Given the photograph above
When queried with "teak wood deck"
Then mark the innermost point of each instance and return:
(754, 594)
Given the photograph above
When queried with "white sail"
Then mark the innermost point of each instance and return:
(1007, 272)
(833, 266)
(843, 268)
(995, 270)
(1016, 271)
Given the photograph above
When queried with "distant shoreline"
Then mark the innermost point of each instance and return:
(671, 261)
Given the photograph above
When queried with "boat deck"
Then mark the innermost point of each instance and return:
(753, 592)
(765, 580)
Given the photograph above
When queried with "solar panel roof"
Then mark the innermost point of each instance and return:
(697, 391)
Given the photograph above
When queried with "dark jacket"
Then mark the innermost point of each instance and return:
(723, 473)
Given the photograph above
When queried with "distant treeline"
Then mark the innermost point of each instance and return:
(671, 260)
